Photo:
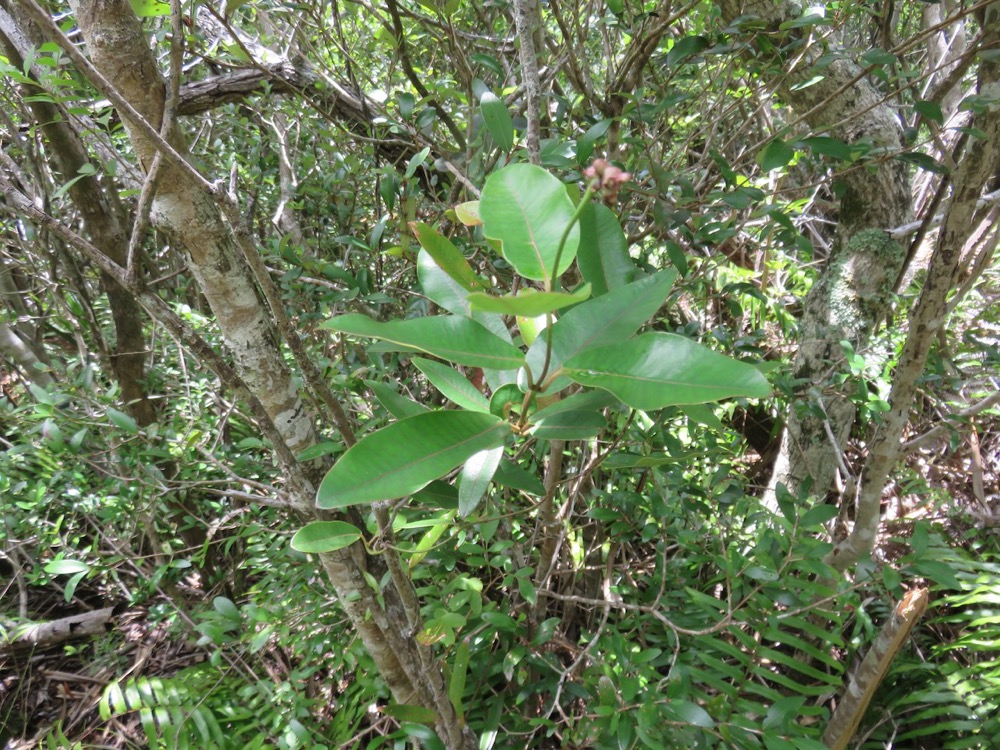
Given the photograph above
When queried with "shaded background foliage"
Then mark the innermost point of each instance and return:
(682, 611)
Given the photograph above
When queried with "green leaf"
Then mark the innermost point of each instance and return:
(530, 303)
(656, 370)
(585, 146)
(511, 475)
(924, 161)
(685, 47)
(878, 56)
(528, 210)
(396, 404)
(448, 257)
(326, 448)
(150, 8)
(818, 515)
(570, 425)
(325, 536)
(468, 213)
(603, 253)
(608, 319)
(66, 567)
(476, 476)
(497, 119)
(438, 494)
(414, 164)
(404, 712)
(929, 111)
(691, 713)
(405, 456)
(450, 337)
(428, 540)
(810, 19)
(578, 417)
(455, 386)
(459, 670)
(122, 421)
(826, 146)
(775, 155)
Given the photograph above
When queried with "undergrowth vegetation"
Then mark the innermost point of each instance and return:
(541, 354)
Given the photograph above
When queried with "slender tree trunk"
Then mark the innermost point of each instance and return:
(852, 295)
(191, 216)
(964, 221)
(105, 220)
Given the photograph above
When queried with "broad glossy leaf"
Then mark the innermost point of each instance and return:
(603, 253)
(511, 475)
(398, 405)
(528, 210)
(573, 424)
(325, 536)
(656, 370)
(122, 421)
(609, 319)
(476, 476)
(450, 337)
(449, 295)
(447, 257)
(577, 417)
(455, 386)
(403, 457)
(530, 303)
(775, 155)
(497, 119)
(468, 213)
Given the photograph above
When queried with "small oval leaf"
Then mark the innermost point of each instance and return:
(325, 536)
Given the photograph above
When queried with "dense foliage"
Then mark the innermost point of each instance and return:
(488, 451)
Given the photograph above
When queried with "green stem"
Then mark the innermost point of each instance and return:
(591, 189)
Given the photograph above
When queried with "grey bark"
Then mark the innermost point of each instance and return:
(854, 291)
(17, 351)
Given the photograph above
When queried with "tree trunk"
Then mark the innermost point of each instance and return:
(105, 220)
(853, 293)
(965, 221)
(192, 218)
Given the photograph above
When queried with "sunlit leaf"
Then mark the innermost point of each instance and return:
(448, 257)
(530, 303)
(450, 337)
(656, 370)
(497, 119)
(475, 479)
(527, 210)
(325, 536)
(775, 155)
(405, 456)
